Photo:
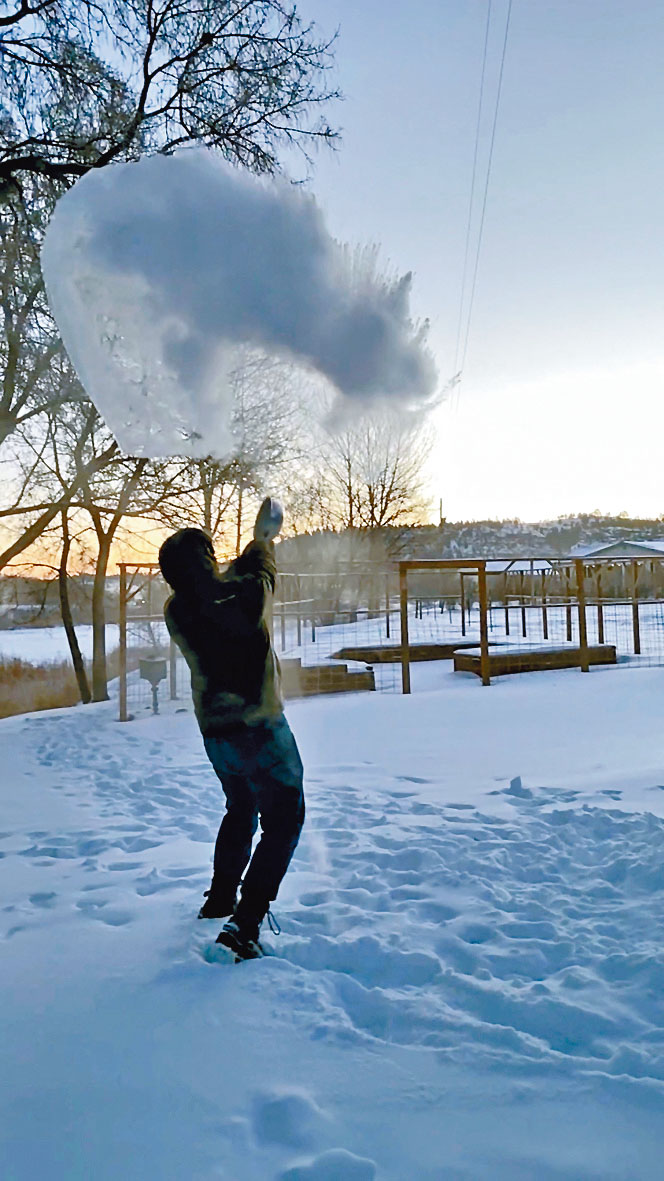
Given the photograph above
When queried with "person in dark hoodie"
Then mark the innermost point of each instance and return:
(218, 622)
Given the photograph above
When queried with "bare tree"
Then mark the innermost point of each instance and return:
(268, 431)
(37, 495)
(371, 473)
(80, 670)
(86, 82)
(239, 75)
(106, 517)
(79, 467)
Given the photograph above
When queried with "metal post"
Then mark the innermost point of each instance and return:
(600, 608)
(122, 619)
(507, 606)
(484, 631)
(545, 618)
(172, 669)
(581, 599)
(463, 605)
(568, 609)
(523, 606)
(298, 595)
(387, 604)
(635, 609)
(405, 650)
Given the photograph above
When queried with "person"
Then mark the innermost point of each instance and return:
(218, 621)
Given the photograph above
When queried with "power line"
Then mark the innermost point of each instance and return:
(471, 201)
(471, 301)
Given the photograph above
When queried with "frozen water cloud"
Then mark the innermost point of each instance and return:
(158, 271)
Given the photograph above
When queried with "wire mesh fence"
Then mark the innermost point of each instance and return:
(338, 631)
(539, 613)
(151, 668)
(360, 627)
(333, 632)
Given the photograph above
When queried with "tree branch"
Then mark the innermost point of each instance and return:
(26, 9)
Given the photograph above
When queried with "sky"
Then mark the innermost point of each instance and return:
(559, 409)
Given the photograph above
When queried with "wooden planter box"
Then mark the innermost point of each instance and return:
(527, 660)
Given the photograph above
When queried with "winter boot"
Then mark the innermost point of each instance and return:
(221, 898)
(240, 933)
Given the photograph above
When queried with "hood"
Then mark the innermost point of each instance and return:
(186, 559)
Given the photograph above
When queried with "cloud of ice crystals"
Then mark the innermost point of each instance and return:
(157, 271)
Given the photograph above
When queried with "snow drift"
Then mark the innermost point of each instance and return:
(156, 271)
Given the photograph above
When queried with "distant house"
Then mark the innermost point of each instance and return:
(622, 549)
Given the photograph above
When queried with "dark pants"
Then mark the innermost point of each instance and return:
(261, 773)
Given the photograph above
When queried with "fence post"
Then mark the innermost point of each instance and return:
(545, 618)
(122, 620)
(172, 670)
(405, 652)
(600, 607)
(463, 604)
(568, 608)
(387, 604)
(635, 609)
(507, 606)
(484, 631)
(581, 599)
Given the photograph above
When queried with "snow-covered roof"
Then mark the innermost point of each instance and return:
(518, 566)
(625, 547)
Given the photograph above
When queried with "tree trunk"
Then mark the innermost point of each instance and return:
(99, 671)
(67, 620)
(238, 539)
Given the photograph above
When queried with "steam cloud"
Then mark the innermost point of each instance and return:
(157, 271)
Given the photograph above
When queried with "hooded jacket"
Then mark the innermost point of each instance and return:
(218, 622)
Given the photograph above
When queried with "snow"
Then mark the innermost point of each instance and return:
(158, 271)
(38, 645)
(468, 983)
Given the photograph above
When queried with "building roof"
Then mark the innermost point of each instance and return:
(622, 547)
(518, 566)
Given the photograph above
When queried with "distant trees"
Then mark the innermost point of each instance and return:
(371, 473)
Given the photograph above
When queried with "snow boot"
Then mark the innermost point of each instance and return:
(220, 899)
(240, 933)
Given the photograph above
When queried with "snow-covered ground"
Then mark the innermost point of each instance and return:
(469, 981)
(38, 645)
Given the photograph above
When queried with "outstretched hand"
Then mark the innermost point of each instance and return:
(269, 520)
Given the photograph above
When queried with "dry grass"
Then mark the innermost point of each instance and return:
(27, 687)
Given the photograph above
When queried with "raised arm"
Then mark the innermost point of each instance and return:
(254, 573)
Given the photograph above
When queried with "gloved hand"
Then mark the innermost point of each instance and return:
(269, 520)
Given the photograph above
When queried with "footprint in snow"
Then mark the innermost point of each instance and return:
(334, 1165)
(43, 901)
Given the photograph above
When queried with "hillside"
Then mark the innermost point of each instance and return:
(463, 539)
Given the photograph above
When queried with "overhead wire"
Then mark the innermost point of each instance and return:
(471, 201)
(459, 363)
